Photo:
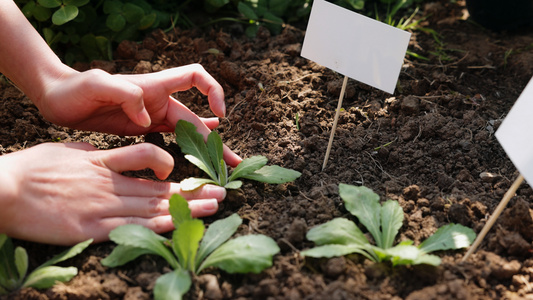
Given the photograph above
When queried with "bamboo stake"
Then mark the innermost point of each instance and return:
(506, 198)
(334, 127)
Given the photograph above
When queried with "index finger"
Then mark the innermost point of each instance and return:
(193, 75)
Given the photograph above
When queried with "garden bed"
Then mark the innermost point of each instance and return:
(430, 146)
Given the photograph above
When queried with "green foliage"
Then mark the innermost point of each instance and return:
(14, 267)
(208, 157)
(192, 248)
(86, 29)
(341, 236)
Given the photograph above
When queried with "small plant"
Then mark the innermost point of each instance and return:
(14, 267)
(190, 250)
(208, 157)
(341, 236)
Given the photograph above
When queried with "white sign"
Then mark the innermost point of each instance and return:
(356, 46)
(514, 133)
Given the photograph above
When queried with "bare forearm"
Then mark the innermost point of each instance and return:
(25, 58)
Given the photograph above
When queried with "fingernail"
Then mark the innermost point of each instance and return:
(144, 118)
(210, 205)
(216, 191)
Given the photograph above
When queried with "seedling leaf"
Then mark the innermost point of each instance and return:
(363, 203)
(123, 254)
(233, 185)
(75, 250)
(247, 166)
(172, 285)
(273, 175)
(192, 143)
(46, 277)
(214, 149)
(192, 183)
(21, 261)
(334, 250)
(337, 231)
(249, 253)
(391, 221)
(185, 242)
(216, 234)
(139, 236)
(179, 210)
(451, 236)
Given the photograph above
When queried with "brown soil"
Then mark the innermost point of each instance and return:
(426, 146)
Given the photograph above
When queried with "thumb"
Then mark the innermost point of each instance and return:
(138, 157)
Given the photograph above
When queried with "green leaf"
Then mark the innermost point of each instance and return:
(41, 13)
(217, 3)
(427, 259)
(147, 21)
(132, 13)
(192, 143)
(363, 203)
(216, 234)
(333, 250)
(215, 149)
(391, 221)
(337, 231)
(273, 23)
(247, 11)
(112, 7)
(185, 242)
(123, 254)
(451, 236)
(203, 166)
(8, 270)
(172, 285)
(247, 166)
(21, 262)
(192, 183)
(27, 9)
(3, 239)
(76, 3)
(46, 277)
(49, 3)
(179, 210)
(233, 185)
(75, 250)
(65, 14)
(138, 236)
(250, 253)
(273, 175)
(115, 22)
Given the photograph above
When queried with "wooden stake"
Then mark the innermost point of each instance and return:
(334, 127)
(506, 198)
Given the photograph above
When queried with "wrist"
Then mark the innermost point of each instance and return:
(8, 191)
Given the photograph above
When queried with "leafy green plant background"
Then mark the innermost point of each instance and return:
(86, 30)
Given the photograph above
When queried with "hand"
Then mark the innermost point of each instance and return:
(66, 193)
(130, 104)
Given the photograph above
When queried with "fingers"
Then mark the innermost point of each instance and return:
(194, 75)
(211, 123)
(137, 157)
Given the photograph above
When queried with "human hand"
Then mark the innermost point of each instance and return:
(66, 193)
(131, 104)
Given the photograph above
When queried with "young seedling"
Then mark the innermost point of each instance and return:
(14, 267)
(341, 236)
(190, 250)
(208, 157)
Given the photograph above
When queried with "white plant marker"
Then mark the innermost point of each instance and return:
(497, 212)
(519, 148)
(356, 46)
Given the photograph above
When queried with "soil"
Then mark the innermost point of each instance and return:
(430, 146)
